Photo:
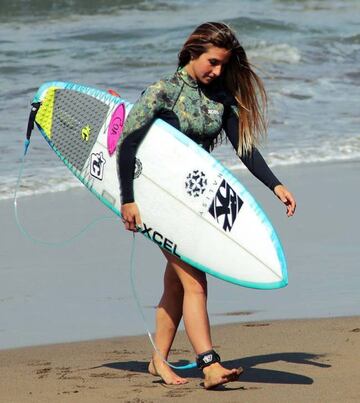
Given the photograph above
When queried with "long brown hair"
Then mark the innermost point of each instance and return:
(238, 76)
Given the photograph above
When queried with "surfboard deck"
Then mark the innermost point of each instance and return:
(190, 204)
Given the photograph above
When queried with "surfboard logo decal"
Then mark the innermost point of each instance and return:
(97, 163)
(85, 133)
(196, 183)
(225, 206)
(115, 128)
(160, 239)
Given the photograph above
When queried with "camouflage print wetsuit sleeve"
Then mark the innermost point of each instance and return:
(200, 112)
(138, 122)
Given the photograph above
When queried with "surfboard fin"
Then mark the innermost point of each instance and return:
(113, 93)
(34, 108)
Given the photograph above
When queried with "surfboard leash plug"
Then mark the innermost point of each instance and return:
(34, 109)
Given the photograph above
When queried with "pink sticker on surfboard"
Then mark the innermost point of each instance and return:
(115, 128)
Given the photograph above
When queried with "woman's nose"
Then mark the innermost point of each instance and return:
(217, 70)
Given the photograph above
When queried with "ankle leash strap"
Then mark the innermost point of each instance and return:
(205, 359)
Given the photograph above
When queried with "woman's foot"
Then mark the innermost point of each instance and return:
(166, 373)
(215, 375)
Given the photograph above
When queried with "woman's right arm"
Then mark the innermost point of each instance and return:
(131, 216)
(137, 124)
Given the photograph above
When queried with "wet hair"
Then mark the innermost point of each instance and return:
(238, 77)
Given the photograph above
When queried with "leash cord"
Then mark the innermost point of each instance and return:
(136, 298)
(75, 237)
(27, 234)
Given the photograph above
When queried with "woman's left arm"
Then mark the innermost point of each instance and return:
(256, 164)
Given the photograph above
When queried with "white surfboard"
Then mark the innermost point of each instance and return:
(190, 204)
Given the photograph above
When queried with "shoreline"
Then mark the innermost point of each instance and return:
(237, 170)
(248, 322)
(293, 360)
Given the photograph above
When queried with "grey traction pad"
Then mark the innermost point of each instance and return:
(73, 112)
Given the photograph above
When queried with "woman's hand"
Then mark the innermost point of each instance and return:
(287, 198)
(131, 216)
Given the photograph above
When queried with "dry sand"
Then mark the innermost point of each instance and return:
(285, 361)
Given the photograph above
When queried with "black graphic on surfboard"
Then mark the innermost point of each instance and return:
(225, 206)
(196, 183)
(97, 165)
(138, 168)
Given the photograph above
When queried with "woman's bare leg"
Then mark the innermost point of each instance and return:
(194, 308)
(168, 316)
(196, 319)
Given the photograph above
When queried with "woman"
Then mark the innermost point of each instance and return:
(214, 90)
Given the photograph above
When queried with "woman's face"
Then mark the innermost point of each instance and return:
(208, 65)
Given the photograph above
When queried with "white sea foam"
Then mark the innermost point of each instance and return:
(326, 151)
(281, 52)
(30, 186)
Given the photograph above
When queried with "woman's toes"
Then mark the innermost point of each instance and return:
(166, 373)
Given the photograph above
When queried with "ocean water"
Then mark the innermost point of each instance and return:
(307, 52)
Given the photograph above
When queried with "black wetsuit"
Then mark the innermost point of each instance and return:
(199, 111)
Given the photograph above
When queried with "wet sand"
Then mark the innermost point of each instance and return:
(82, 291)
